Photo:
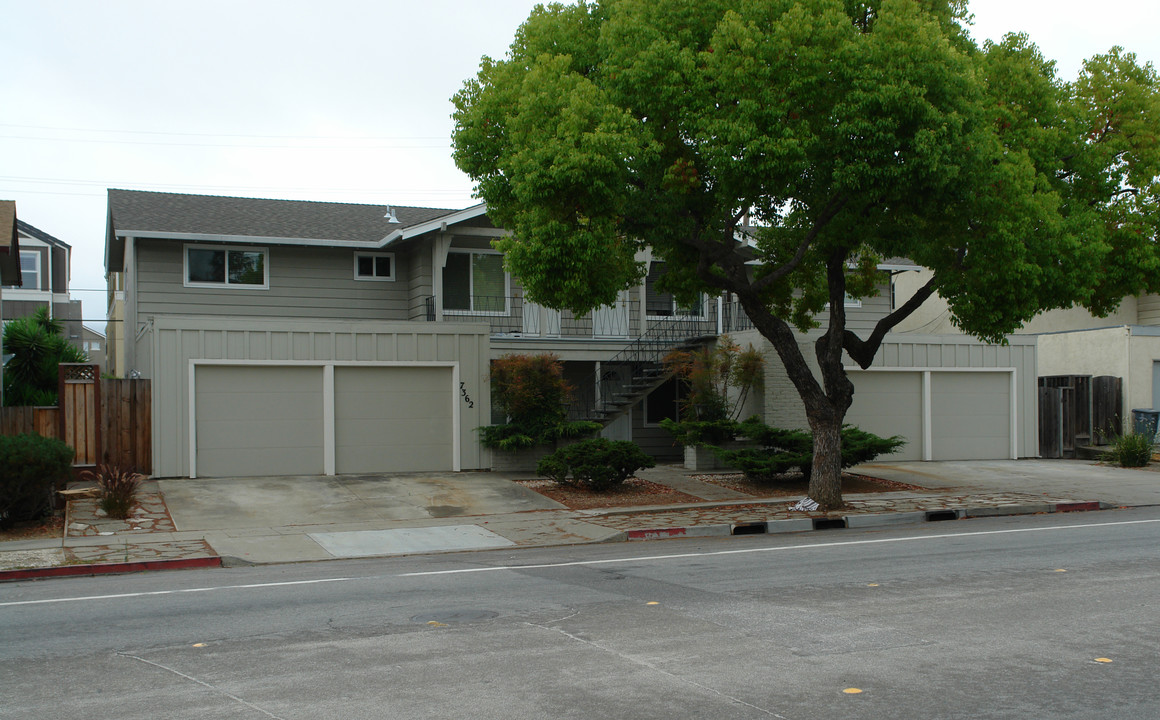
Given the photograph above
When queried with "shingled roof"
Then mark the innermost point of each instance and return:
(141, 213)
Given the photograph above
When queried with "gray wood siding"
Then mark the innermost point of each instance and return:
(419, 265)
(304, 283)
(175, 341)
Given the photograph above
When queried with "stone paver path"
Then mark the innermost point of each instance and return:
(86, 519)
(128, 552)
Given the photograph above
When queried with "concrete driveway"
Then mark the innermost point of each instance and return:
(1078, 478)
(253, 502)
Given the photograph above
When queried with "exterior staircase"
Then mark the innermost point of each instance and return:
(634, 372)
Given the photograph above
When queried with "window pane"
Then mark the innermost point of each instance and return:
(247, 267)
(488, 282)
(457, 282)
(657, 304)
(208, 266)
(29, 265)
(383, 266)
(366, 266)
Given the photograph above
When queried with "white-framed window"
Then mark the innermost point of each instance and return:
(474, 282)
(374, 266)
(29, 271)
(220, 266)
(662, 304)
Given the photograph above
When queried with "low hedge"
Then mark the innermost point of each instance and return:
(31, 468)
(595, 464)
(781, 451)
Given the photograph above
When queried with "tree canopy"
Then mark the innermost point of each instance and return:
(780, 149)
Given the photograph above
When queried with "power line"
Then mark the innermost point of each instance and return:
(225, 135)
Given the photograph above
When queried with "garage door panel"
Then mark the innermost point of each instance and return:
(971, 415)
(399, 418)
(889, 404)
(258, 420)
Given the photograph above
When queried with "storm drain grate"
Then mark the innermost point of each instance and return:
(829, 523)
(938, 515)
(749, 529)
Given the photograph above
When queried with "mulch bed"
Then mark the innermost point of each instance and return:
(795, 484)
(52, 527)
(636, 492)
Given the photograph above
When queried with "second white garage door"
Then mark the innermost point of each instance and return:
(254, 420)
(397, 418)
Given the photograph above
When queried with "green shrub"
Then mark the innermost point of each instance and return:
(701, 432)
(1131, 450)
(118, 489)
(595, 464)
(31, 468)
(781, 451)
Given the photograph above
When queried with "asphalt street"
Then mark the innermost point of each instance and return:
(1049, 616)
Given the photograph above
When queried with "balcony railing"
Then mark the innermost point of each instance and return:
(517, 317)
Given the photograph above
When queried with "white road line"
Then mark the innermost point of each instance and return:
(810, 546)
(174, 592)
(577, 563)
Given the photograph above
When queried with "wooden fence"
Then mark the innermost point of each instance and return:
(120, 421)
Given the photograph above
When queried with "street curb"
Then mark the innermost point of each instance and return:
(860, 521)
(109, 568)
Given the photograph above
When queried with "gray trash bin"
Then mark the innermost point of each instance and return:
(1144, 422)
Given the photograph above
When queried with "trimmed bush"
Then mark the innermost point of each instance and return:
(594, 464)
(31, 468)
(782, 451)
(1131, 450)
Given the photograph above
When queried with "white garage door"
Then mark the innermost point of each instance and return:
(395, 419)
(888, 404)
(970, 412)
(970, 416)
(258, 420)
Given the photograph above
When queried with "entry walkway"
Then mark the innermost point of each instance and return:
(271, 520)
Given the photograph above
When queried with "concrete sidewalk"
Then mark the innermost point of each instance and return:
(197, 523)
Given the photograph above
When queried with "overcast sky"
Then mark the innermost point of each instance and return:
(343, 100)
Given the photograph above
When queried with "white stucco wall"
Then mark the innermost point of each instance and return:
(933, 316)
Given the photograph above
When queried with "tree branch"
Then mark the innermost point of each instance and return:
(863, 351)
(832, 209)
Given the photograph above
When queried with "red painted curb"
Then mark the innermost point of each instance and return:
(107, 568)
(656, 534)
(1074, 506)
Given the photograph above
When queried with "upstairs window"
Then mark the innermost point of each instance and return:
(29, 271)
(475, 282)
(374, 266)
(662, 304)
(233, 267)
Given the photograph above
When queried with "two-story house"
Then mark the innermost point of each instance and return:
(45, 270)
(294, 337)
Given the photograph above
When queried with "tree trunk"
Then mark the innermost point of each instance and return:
(826, 473)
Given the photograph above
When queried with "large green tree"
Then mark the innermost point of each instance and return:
(848, 131)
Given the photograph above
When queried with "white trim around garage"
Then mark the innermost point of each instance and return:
(927, 402)
(329, 459)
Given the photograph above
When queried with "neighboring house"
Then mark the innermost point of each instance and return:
(1125, 344)
(9, 267)
(93, 343)
(292, 337)
(45, 273)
